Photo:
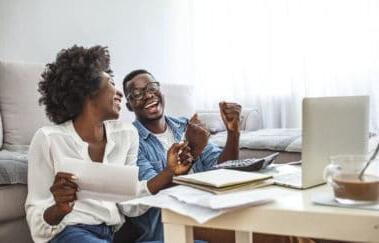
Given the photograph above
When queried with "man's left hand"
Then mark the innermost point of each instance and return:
(179, 159)
(230, 114)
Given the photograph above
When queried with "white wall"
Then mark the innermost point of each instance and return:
(138, 33)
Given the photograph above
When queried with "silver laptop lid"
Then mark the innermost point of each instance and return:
(331, 126)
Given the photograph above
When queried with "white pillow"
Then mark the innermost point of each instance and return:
(212, 120)
(253, 121)
(250, 120)
(20, 110)
(243, 116)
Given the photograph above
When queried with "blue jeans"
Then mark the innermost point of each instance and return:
(82, 233)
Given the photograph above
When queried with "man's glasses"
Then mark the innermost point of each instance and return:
(139, 93)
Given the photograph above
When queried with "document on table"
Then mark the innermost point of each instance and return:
(164, 201)
(203, 206)
(200, 198)
(99, 181)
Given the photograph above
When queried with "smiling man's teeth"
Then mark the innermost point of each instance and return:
(151, 104)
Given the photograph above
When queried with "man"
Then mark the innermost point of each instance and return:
(158, 132)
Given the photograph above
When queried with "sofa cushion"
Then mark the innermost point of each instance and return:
(1, 132)
(12, 200)
(16, 230)
(20, 110)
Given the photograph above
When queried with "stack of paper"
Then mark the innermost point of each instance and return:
(224, 180)
(200, 198)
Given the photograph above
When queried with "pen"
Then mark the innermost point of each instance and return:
(182, 140)
(183, 137)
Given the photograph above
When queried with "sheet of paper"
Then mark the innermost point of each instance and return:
(201, 198)
(98, 181)
(162, 200)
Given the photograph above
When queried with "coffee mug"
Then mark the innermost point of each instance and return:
(342, 174)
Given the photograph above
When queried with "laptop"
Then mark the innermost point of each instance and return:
(331, 126)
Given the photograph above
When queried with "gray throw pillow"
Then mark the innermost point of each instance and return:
(20, 110)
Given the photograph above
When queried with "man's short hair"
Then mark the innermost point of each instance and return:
(133, 74)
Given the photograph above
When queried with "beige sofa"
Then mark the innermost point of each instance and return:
(20, 117)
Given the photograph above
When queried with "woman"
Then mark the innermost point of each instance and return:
(81, 99)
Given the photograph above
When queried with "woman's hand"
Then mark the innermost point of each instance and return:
(64, 191)
(179, 159)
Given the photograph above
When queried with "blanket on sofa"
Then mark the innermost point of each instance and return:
(13, 167)
(270, 139)
(288, 140)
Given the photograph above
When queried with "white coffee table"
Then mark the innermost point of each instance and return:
(291, 214)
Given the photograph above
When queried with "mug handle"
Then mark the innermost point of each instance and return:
(329, 171)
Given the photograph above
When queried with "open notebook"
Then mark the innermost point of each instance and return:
(223, 180)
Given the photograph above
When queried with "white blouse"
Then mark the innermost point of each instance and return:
(51, 144)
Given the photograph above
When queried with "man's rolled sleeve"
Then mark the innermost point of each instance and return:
(146, 170)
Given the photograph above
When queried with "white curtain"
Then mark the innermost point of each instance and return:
(271, 53)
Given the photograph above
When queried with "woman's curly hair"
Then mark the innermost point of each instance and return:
(73, 76)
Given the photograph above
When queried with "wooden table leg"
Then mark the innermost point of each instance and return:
(244, 237)
(175, 233)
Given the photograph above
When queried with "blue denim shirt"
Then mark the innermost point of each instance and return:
(152, 159)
